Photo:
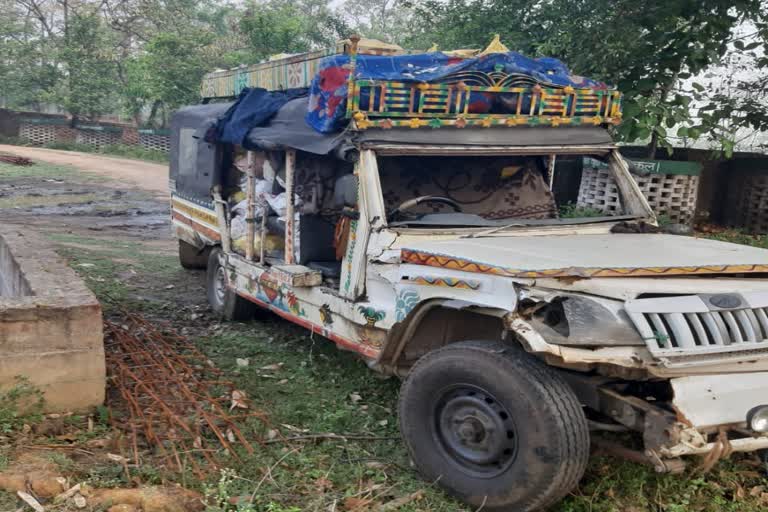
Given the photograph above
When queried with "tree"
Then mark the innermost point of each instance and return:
(284, 26)
(386, 20)
(645, 48)
(89, 89)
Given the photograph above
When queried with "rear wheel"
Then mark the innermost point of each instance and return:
(493, 426)
(221, 297)
(191, 257)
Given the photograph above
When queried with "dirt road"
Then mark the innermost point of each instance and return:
(144, 175)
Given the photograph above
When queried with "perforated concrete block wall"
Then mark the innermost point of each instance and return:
(753, 204)
(38, 134)
(670, 195)
(97, 139)
(156, 142)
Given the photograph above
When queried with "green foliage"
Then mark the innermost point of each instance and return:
(283, 26)
(22, 403)
(646, 48)
(175, 67)
(91, 72)
(740, 237)
(574, 211)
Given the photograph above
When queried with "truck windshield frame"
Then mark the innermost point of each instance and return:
(636, 208)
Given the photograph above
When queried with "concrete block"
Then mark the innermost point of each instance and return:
(50, 326)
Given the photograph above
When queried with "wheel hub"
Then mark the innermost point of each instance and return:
(475, 431)
(220, 285)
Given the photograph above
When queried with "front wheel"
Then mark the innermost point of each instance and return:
(222, 298)
(494, 426)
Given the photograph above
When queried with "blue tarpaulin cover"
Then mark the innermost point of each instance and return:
(254, 107)
(328, 92)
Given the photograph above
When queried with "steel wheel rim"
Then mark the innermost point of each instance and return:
(219, 285)
(474, 431)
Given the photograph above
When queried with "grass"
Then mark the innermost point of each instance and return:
(45, 171)
(119, 150)
(19, 404)
(573, 211)
(739, 237)
(52, 200)
(312, 391)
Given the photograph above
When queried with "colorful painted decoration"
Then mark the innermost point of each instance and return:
(293, 304)
(407, 299)
(325, 315)
(448, 282)
(453, 263)
(371, 315)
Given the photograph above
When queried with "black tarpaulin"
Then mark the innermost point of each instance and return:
(288, 129)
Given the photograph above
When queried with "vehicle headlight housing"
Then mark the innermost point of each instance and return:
(757, 419)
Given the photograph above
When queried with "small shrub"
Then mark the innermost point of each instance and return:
(20, 404)
(574, 211)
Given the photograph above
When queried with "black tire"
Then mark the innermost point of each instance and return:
(191, 257)
(494, 426)
(223, 300)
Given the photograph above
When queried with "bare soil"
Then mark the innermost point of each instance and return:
(147, 176)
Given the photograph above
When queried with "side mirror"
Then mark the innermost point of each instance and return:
(345, 191)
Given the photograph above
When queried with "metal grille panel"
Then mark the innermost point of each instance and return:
(675, 327)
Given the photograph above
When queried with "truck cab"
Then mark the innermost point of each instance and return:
(426, 238)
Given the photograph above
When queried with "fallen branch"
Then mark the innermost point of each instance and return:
(31, 501)
(15, 160)
(338, 437)
(399, 502)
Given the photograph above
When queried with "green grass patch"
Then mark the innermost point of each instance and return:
(739, 237)
(108, 266)
(45, 171)
(119, 150)
(19, 404)
(574, 211)
(306, 386)
(51, 200)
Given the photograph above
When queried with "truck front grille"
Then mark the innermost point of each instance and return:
(725, 326)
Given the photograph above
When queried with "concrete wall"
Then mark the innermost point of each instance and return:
(9, 123)
(50, 325)
(41, 129)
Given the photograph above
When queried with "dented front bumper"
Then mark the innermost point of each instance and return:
(716, 407)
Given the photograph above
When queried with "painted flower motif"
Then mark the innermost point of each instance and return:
(294, 305)
(325, 315)
(406, 301)
(371, 315)
(416, 122)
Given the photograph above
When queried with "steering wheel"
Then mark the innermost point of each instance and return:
(411, 203)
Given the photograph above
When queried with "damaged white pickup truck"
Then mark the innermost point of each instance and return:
(438, 256)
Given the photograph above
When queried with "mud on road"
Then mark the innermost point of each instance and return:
(110, 206)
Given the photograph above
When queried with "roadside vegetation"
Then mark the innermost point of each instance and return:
(118, 150)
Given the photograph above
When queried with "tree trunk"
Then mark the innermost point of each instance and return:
(654, 145)
(153, 113)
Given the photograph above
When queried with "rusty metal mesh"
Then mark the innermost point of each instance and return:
(168, 396)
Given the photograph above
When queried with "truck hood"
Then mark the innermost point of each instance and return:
(588, 256)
